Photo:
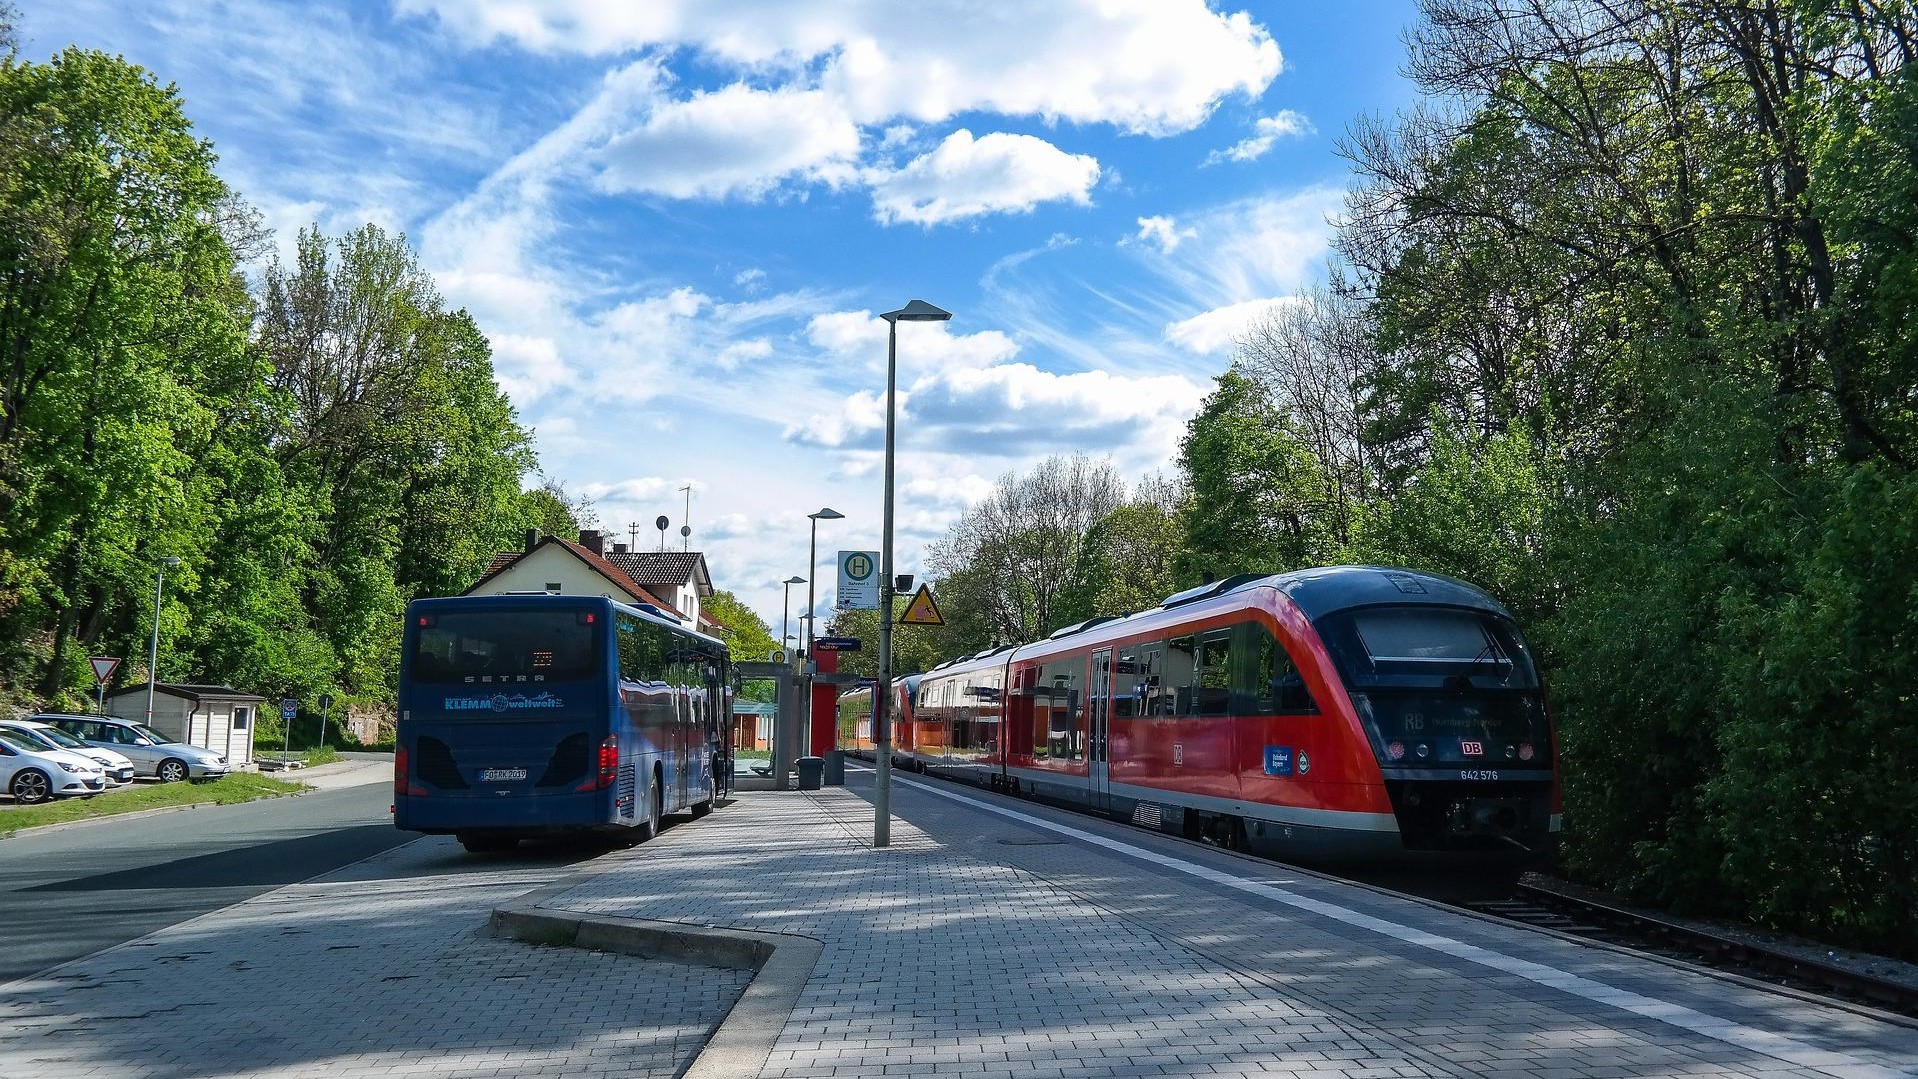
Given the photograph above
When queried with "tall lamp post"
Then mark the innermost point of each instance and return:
(826, 513)
(915, 311)
(153, 647)
(785, 611)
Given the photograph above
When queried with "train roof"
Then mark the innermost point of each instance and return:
(1317, 592)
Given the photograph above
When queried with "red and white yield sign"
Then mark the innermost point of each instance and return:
(103, 667)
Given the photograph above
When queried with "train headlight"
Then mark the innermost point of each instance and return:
(1510, 752)
(1525, 751)
(1423, 751)
(1395, 751)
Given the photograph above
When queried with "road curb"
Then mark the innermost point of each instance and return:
(110, 818)
(742, 1042)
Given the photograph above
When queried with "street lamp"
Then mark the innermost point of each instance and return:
(785, 609)
(915, 311)
(812, 565)
(153, 647)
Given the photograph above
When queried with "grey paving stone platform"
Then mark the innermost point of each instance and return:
(996, 937)
(379, 969)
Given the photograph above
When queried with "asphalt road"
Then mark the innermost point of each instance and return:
(71, 892)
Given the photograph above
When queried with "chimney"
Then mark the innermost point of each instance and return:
(532, 539)
(619, 548)
(593, 540)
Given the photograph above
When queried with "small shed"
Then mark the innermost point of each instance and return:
(219, 718)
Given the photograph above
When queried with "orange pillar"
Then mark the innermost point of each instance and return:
(825, 705)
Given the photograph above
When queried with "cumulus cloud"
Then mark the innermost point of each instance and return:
(967, 177)
(1216, 331)
(1153, 67)
(1267, 131)
(1011, 409)
(860, 337)
(733, 141)
(1162, 231)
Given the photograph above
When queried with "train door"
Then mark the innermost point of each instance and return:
(1098, 771)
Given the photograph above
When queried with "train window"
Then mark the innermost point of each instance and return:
(1265, 681)
(1136, 681)
(1181, 664)
(1212, 679)
(1055, 708)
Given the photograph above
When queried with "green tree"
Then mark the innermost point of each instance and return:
(123, 326)
(1260, 500)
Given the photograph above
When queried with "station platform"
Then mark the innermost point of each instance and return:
(999, 937)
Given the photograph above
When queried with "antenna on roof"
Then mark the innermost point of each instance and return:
(686, 530)
(632, 536)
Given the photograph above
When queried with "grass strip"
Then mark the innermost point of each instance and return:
(238, 787)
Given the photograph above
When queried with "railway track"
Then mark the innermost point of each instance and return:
(1585, 918)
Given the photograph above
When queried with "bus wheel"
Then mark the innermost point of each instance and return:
(655, 797)
(700, 809)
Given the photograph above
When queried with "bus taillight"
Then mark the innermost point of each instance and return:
(608, 766)
(402, 784)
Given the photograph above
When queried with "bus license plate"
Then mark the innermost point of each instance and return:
(502, 775)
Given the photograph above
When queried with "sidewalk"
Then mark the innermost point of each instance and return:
(996, 937)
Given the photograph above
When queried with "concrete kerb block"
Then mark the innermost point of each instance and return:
(743, 1041)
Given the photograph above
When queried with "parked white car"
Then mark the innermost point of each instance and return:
(32, 773)
(152, 753)
(118, 769)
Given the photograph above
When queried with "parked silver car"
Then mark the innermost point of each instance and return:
(32, 773)
(119, 770)
(151, 752)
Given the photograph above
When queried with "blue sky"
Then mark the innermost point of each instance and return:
(677, 221)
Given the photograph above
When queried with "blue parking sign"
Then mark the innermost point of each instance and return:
(289, 707)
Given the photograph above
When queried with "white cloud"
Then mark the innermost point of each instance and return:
(1164, 232)
(750, 279)
(967, 177)
(1145, 66)
(1015, 410)
(733, 141)
(1267, 131)
(1216, 331)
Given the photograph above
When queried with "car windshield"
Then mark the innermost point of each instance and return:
(13, 738)
(58, 737)
(34, 736)
(150, 734)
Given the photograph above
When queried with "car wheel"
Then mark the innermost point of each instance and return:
(31, 787)
(172, 770)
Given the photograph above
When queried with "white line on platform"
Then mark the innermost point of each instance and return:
(1725, 1030)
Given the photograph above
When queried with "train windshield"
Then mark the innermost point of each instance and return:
(1441, 686)
(512, 647)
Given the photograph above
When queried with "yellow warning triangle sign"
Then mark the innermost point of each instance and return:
(922, 611)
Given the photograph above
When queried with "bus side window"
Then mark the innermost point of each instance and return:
(1265, 680)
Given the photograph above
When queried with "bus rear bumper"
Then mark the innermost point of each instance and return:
(522, 816)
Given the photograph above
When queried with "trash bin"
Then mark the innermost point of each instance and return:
(809, 772)
(835, 768)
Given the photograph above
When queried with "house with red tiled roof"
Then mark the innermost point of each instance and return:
(553, 564)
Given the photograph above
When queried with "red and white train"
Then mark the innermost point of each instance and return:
(1348, 714)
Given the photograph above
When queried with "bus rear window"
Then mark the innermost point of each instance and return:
(506, 646)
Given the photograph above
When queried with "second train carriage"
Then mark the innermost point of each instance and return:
(1353, 713)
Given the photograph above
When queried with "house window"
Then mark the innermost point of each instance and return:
(240, 718)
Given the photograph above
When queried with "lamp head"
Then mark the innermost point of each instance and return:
(169, 561)
(795, 579)
(917, 311)
(827, 514)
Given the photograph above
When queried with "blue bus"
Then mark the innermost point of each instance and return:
(535, 714)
